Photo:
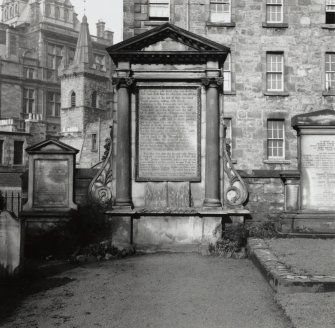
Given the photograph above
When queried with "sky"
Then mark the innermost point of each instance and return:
(110, 11)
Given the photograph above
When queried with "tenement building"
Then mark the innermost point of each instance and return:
(281, 63)
(38, 40)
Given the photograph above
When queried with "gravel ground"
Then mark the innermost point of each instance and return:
(306, 256)
(161, 290)
(308, 310)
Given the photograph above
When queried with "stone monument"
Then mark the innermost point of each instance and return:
(169, 159)
(11, 245)
(310, 192)
(50, 187)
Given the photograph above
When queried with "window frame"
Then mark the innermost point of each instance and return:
(269, 4)
(329, 86)
(94, 142)
(277, 139)
(53, 56)
(227, 72)
(73, 99)
(275, 73)
(159, 3)
(2, 151)
(53, 104)
(330, 3)
(222, 3)
(29, 102)
(15, 152)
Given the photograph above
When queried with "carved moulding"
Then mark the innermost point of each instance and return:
(123, 82)
(236, 192)
(100, 189)
(212, 81)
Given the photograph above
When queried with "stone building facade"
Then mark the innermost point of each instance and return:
(281, 63)
(37, 39)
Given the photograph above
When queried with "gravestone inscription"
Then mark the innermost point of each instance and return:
(51, 183)
(318, 172)
(168, 145)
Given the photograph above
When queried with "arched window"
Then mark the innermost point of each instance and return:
(66, 15)
(5, 14)
(47, 10)
(73, 99)
(11, 13)
(94, 99)
(16, 9)
(57, 12)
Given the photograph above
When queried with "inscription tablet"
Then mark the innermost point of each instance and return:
(168, 145)
(318, 172)
(51, 179)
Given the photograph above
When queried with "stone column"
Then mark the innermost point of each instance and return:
(123, 160)
(212, 173)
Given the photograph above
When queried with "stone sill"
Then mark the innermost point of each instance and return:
(328, 26)
(210, 24)
(155, 23)
(328, 93)
(277, 161)
(274, 25)
(229, 93)
(276, 94)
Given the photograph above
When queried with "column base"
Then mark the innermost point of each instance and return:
(122, 202)
(211, 202)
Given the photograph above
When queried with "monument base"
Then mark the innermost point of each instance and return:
(309, 223)
(48, 233)
(166, 229)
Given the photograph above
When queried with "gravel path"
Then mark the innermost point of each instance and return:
(161, 290)
(306, 256)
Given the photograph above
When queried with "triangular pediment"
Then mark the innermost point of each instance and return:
(167, 41)
(51, 146)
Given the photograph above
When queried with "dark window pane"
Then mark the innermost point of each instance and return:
(330, 17)
(18, 152)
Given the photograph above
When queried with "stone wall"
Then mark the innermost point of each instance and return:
(304, 43)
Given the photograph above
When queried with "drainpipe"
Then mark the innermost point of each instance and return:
(187, 15)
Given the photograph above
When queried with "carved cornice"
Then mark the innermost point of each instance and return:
(212, 82)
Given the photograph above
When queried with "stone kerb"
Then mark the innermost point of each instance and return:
(281, 278)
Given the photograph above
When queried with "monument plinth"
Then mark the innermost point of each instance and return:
(315, 211)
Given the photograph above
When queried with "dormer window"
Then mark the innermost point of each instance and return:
(94, 99)
(73, 99)
(159, 10)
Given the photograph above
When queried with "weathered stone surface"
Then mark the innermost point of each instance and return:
(10, 245)
(168, 130)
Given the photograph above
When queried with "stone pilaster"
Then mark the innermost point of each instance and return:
(123, 160)
(212, 172)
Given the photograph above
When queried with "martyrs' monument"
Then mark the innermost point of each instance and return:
(173, 181)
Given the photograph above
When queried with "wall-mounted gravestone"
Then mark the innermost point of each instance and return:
(168, 143)
(51, 172)
(316, 139)
(11, 245)
(316, 135)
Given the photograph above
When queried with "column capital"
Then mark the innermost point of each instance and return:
(124, 82)
(212, 82)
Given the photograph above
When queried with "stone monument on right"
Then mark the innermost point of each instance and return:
(310, 192)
